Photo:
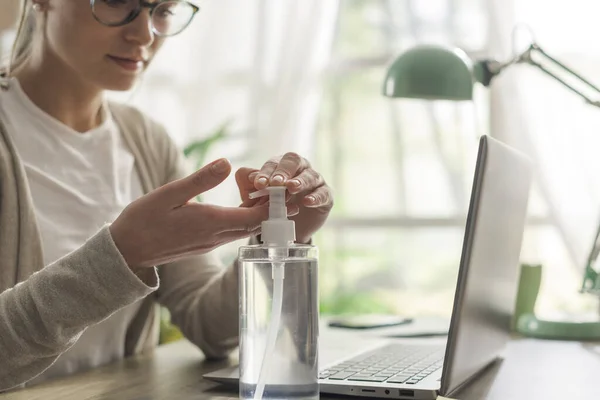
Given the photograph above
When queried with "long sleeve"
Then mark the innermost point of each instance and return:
(44, 315)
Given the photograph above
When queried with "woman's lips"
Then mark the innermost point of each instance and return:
(128, 64)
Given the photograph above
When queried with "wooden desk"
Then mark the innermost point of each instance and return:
(531, 370)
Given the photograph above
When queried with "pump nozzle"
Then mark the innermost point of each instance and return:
(278, 230)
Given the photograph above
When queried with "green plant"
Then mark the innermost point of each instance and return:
(196, 150)
(168, 332)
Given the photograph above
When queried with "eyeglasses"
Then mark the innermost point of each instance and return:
(168, 17)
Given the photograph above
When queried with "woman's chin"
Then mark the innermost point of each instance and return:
(121, 84)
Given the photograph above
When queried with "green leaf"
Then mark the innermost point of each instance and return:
(197, 149)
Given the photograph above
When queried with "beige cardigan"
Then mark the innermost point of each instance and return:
(44, 309)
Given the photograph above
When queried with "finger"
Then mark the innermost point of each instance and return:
(259, 201)
(238, 218)
(231, 236)
(249, 203)
(307, 180)
(261, 180)
(179, 192)
(290, 165)
(244, 177)
(293, 209)
(252, 176)
(321, 197)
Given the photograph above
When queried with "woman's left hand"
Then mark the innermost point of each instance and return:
(309, 201)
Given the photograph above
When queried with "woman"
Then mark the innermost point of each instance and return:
(78, 291)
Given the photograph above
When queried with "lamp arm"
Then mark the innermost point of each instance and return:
(527, 57)
(565, 84)
(488, 69)
(563, 66)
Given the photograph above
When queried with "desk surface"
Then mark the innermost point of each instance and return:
(532, 369)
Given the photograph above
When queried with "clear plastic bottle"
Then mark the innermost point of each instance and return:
(279, 313)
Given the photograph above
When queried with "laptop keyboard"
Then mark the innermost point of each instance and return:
(394, 363)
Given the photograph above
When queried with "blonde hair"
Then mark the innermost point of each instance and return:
(23, 41)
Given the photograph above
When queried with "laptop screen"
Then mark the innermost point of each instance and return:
(488, 271)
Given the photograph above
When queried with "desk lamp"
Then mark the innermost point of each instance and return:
(440, 73)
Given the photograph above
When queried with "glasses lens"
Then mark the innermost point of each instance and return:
(114, 12)
(171, 17)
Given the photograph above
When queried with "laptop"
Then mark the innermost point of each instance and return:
(483, 302)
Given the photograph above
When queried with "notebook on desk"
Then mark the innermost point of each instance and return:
(483, 302)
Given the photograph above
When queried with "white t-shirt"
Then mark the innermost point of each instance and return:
(78, 182)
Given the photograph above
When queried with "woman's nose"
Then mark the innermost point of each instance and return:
(140, 29)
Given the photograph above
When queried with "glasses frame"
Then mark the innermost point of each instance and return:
(151, 6)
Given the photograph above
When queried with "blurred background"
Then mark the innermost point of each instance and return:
(256, 78)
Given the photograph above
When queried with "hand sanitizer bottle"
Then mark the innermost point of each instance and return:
(279, 311)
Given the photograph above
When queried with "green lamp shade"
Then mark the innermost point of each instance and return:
(432, 73)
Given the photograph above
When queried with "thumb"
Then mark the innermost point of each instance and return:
(179, 192)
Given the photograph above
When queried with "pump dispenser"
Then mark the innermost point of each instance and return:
(278, 310)
(278, 230)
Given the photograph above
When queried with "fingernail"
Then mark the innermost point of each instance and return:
(220, 166)
(311, 199)
(295, 182)
(262, 181)
(277, 179)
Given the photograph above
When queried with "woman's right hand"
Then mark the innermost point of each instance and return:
(164, 225)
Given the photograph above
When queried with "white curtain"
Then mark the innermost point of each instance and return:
(552, 125)
(293, 52)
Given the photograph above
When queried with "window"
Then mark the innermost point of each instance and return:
(402, 170)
